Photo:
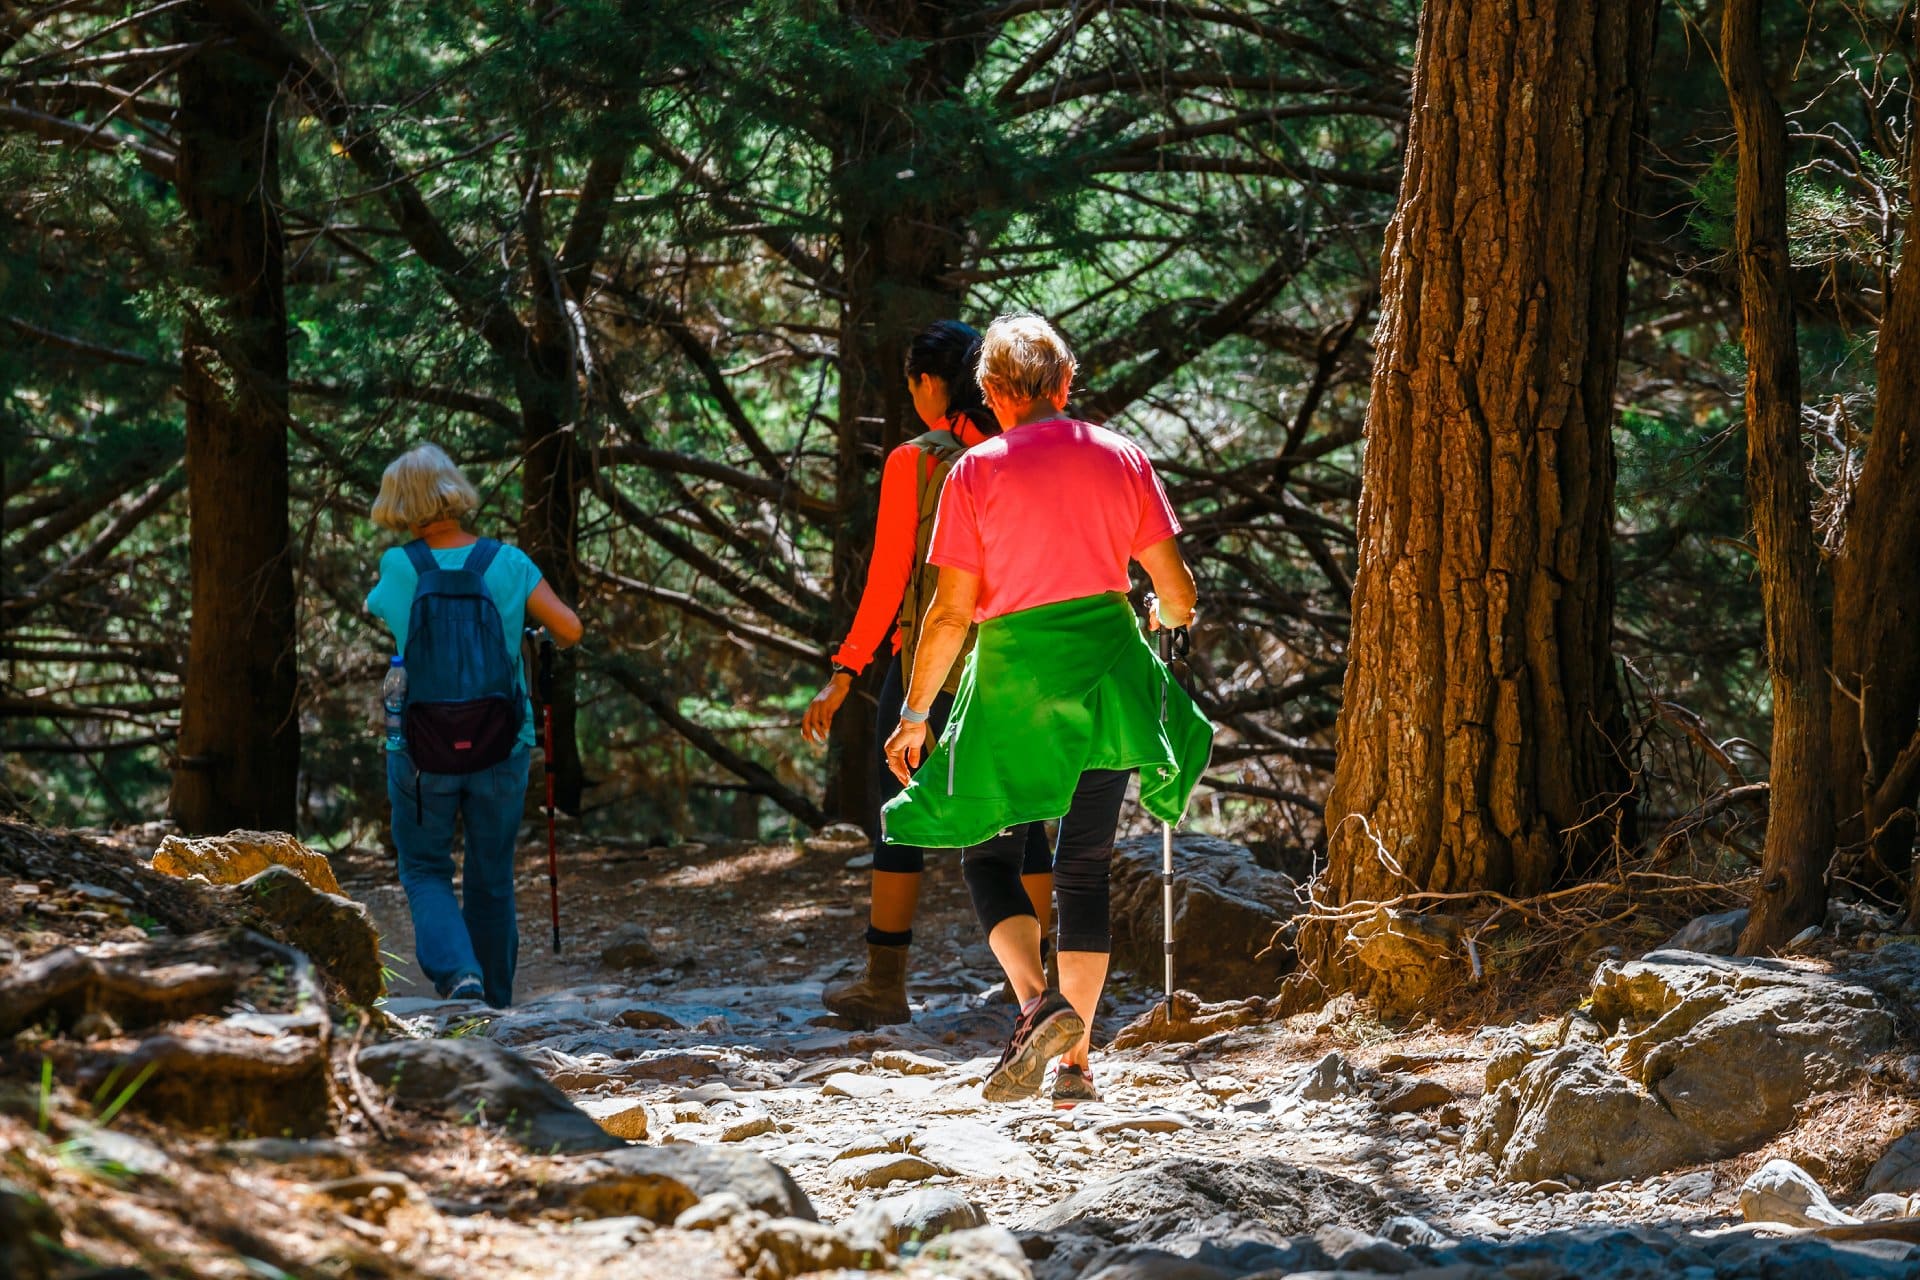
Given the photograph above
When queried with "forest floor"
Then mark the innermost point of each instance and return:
(725, 1043)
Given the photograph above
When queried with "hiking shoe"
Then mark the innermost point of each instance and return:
(467, 988)
(878, 997)
(1072, 1086)
(1045, 1032)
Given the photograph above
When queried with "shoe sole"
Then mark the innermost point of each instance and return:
(1068, 1104)
(1021, 1077)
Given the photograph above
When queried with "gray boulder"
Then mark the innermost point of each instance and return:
(1178, 1197)
(1715, 935)
(481, 1082)
(1781, 1191)
(1898, 1168)
(1570, 1112)
(1733, 1046)
(1685, 1057)
(663, 1182)
(1226, 910)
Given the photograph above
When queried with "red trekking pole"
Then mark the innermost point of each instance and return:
(546, 767)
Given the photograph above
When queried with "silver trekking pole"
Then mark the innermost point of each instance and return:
(1173, 643)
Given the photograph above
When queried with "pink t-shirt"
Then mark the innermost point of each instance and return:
(1047, 512)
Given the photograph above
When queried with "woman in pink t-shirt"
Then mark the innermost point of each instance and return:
(1033, 539)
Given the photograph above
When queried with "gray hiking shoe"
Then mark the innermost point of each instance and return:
(1072, 1086)
(1042, 1034)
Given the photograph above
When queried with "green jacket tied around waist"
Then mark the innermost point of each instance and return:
(1048, 694)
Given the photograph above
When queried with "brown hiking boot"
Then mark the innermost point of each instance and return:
(877, 998)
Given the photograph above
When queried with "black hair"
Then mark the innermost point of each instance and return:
(950, 351)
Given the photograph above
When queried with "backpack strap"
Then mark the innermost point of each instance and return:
(422, 558)
(480, 559)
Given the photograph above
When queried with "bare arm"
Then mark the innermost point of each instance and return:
(562, 623)
(1172, 583)
(943, 633)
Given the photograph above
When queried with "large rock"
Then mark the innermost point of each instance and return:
(1226, 910)
(478, 1081)
(1781, 1191)
(241, 855)
(662, 1182)
(165, 1004)
(1176, 1197)
(1702, 1057)
(1898, 1168)
(1570, 1113)
(1733, 1046)
(336, 932)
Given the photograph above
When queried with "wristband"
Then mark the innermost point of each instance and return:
(842, 669)
(914, 717)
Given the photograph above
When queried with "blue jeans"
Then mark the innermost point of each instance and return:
(476, 934)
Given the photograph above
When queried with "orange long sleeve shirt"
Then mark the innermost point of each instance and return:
(891, 564)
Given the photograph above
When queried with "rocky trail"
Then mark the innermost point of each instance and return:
(668, 1099)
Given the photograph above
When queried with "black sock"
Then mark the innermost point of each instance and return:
(881, 938)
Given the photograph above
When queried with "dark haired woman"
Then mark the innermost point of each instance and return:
(940, 377)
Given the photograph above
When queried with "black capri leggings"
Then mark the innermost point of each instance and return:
(1081, 861)
(1036, 859)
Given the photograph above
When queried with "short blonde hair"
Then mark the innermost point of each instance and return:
(422, 486)
(1022, 357)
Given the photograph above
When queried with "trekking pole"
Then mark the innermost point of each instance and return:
(546, 767)
(1173, 642)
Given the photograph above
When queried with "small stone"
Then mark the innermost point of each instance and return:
(1715, 935)
(750, 1125)
(885, 1168)
(1781, 1191)
(645, 1020)
(903, 1223)
(1408, 1095)
(775, 1248)
(621, 1117)
(1692, 1187)
(711, 1212)
(1331, 1077)
(1147, 1122)
(981, 1253)
(1886, 1205)
(908, 1064)
(629, 947)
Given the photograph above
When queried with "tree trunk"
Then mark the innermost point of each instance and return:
(897, 247)
(1480, 726)
(551, 476)
(239, 750)
(1876, 604)
(1800, 822)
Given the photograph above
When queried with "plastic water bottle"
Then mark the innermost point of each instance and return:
(393, 699)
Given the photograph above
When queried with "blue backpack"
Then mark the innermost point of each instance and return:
(464, 699)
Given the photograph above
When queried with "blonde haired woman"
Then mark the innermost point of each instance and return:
(467, 946)
(1062, 699)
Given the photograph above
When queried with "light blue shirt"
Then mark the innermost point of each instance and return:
(511, 578)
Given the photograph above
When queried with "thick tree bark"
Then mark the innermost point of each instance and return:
(897, 248)
(1876, 603)
(1480, 726)
(1800, 821)
(239, 748)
